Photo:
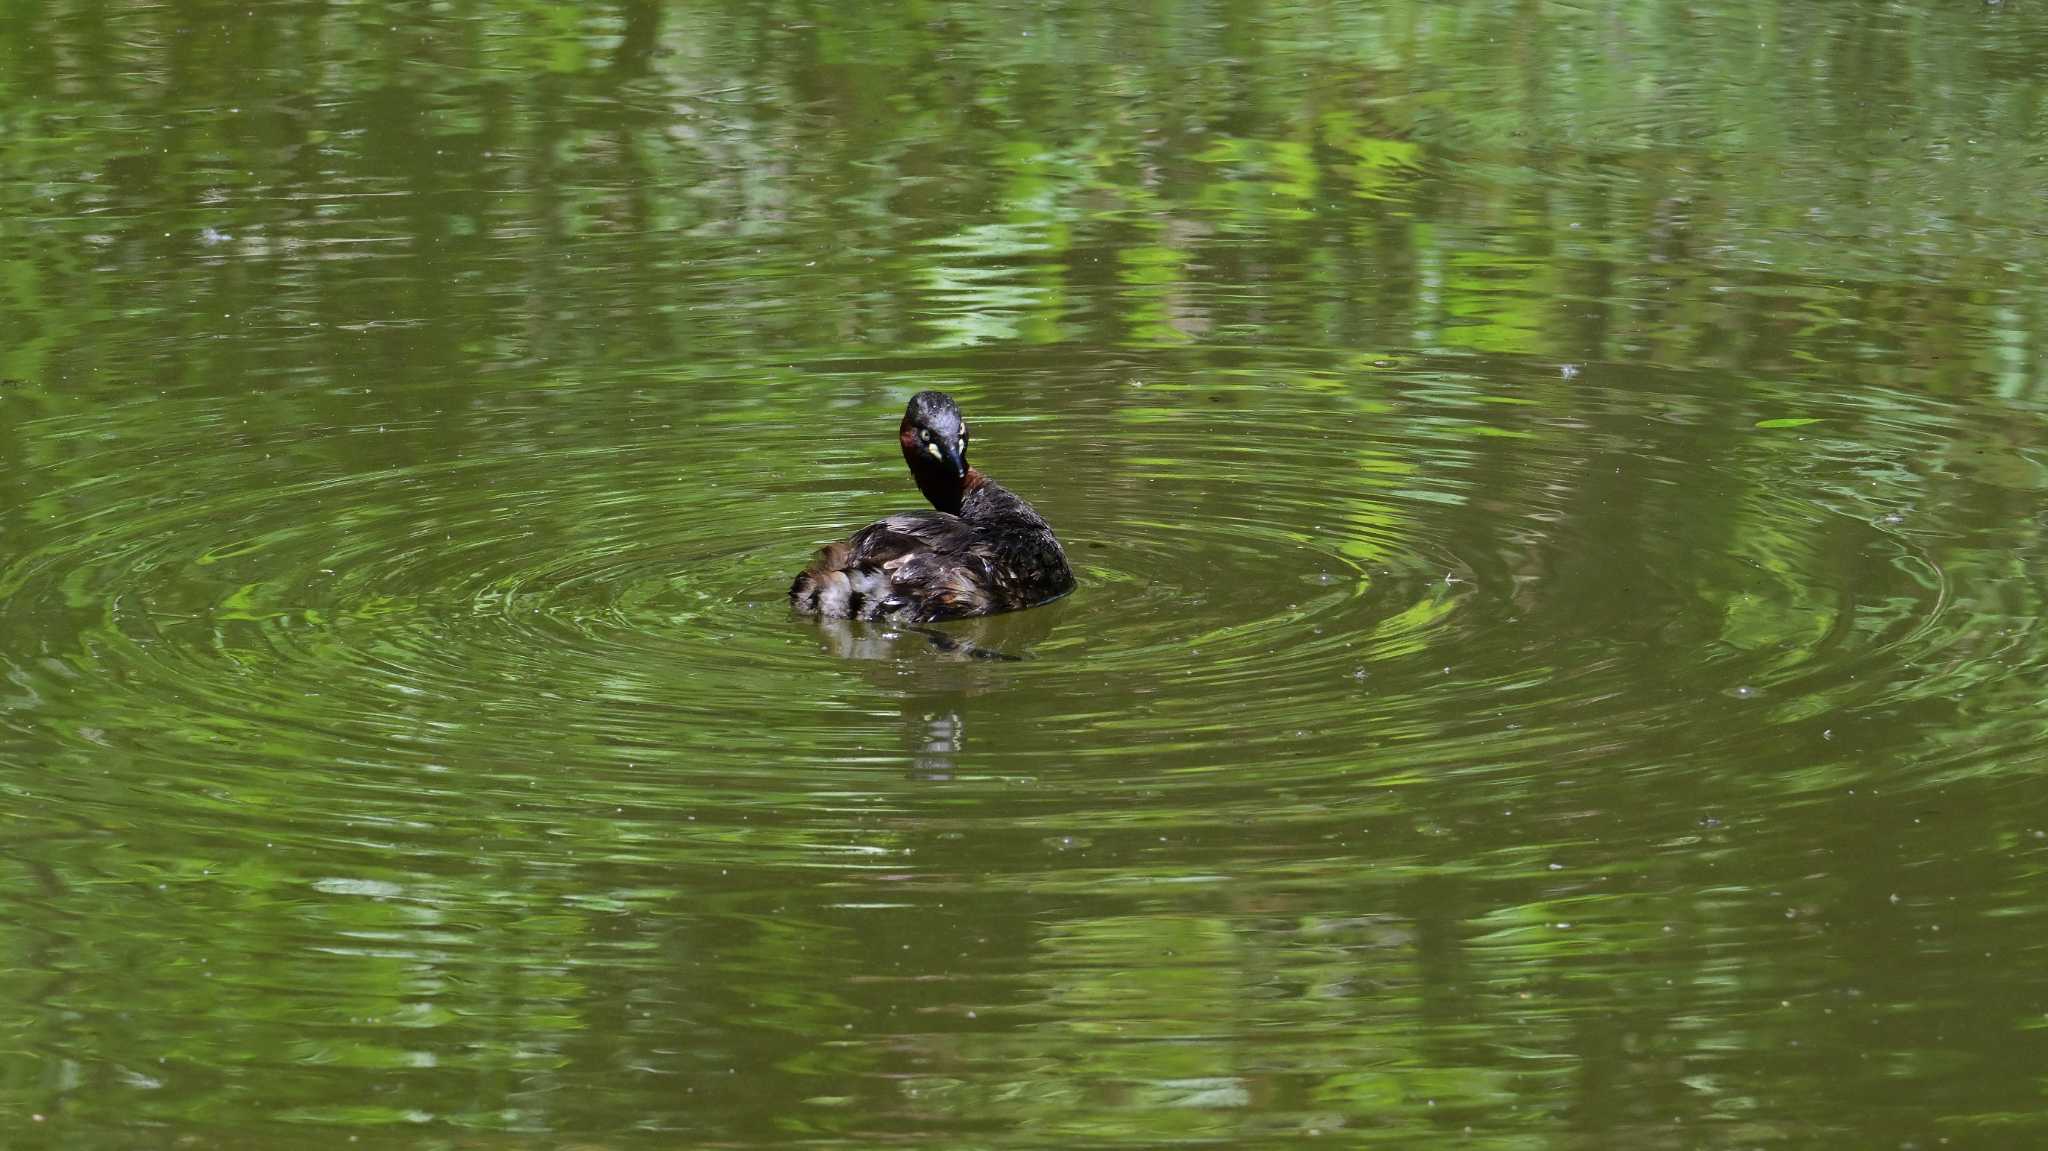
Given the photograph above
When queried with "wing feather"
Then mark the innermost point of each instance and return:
(915, 566)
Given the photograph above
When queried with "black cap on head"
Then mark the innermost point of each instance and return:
(934, 410)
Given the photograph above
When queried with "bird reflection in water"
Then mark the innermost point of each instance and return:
(937, 671)
(944, 733)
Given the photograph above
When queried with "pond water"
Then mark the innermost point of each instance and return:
(1558, 492)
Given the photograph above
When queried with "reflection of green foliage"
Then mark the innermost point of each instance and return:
(1383, 164)
(497, 175)
(1261, 180)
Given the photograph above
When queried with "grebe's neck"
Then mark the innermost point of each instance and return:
(941, 489)
(945, 492)
(937, 481)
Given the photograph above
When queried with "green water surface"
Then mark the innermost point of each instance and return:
(1557, 488)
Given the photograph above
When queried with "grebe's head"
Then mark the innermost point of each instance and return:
(934, 439)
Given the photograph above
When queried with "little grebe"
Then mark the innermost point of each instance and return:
(984, 550)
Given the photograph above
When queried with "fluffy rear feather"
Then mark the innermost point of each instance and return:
(916, 567)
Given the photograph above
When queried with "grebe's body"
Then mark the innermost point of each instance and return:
(983, 550)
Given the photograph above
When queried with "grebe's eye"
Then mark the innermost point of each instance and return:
(925, 435)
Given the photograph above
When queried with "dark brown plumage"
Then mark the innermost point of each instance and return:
(984, 550)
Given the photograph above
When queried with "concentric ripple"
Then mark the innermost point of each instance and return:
(1357, 559)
